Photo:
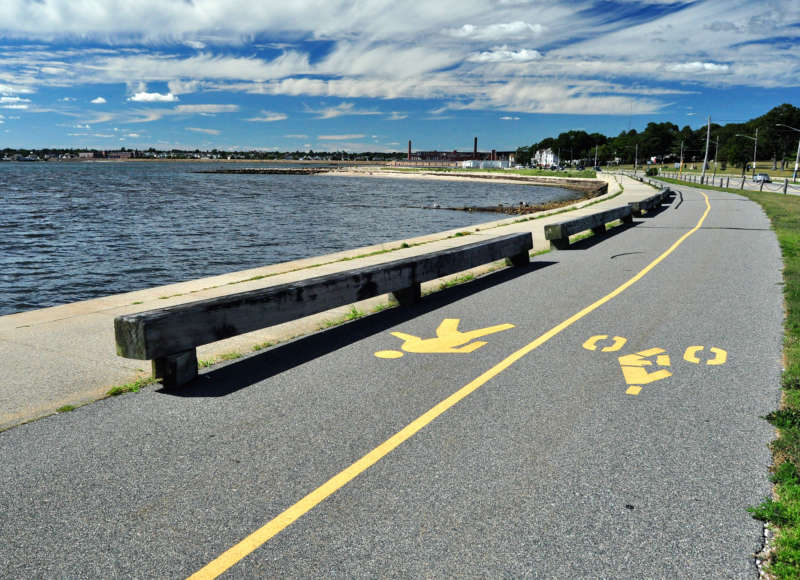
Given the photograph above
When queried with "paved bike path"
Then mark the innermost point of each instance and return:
(548, 469)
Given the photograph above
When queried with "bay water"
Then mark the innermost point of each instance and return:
(71, 231)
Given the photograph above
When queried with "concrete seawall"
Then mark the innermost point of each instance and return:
(65, 355)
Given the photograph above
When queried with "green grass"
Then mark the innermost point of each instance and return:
(130, 387)
(66, 409)
(456, 281)
(783, 510)
(352, 315)
(262, 345)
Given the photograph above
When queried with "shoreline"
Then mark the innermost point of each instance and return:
(597, 186)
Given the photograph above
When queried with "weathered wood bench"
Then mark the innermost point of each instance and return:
(559, 233)
(169, 336)
(649, 203)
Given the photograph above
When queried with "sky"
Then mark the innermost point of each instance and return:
(368, 75)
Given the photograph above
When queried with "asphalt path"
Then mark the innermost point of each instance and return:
(551, 465)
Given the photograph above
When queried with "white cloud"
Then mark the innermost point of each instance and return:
(503, 54)
(395, 116)
(134, 135)
(99, 118)
(502, 31)
(67, 100)
(14, 103)
(201, 130)
(98, 101)
(507, 118)
(296, 136)
(179, 87)
(143, 97)
(340, 110)
(269, 117)
(205, 109)
(340, 137)
(698, 67)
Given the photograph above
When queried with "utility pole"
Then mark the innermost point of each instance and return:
(595, 156)
(716, 148)
(680, 169)
(705, 159)
(636, 159)
(755, 148)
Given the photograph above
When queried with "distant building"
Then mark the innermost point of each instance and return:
(546, 157)
(119, 154)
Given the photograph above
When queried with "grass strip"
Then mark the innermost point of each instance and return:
(782, 511)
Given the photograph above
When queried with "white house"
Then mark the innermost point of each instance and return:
(546, 157)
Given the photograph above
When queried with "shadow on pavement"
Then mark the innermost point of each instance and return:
(248, 371)
(591, 241)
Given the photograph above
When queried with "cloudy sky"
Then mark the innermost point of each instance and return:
(371, 74)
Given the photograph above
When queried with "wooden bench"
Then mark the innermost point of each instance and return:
(649, 203)
(559, 233)
(169, 336)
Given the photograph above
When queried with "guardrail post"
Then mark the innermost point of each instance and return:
(408, 296)
(176, 369)
(762, 186)
(785, 185)
(728, 182)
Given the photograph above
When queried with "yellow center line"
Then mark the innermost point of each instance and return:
(283, 520)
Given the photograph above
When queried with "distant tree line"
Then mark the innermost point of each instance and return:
(51, 153)
(662, 141)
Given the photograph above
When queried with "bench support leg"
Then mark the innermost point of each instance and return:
(628, 219)
(560, 243)
(520, 259)
(408, 296)
(599, 230)
(175, 370)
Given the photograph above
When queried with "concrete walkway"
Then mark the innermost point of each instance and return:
(65, 355)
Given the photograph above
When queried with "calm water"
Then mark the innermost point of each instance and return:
(74, 231)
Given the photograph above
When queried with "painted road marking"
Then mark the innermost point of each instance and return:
(280, 522)
(618, 343)
(636, 375)
(448, 340)
(633, 365)
(720, 356)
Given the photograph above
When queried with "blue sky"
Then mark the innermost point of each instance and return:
(372, 74)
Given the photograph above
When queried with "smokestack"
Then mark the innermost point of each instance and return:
(409, 149)
(475, 149)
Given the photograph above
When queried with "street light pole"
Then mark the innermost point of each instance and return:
(716, 149)
(705, 159)
(797, 158)
(755, 148)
